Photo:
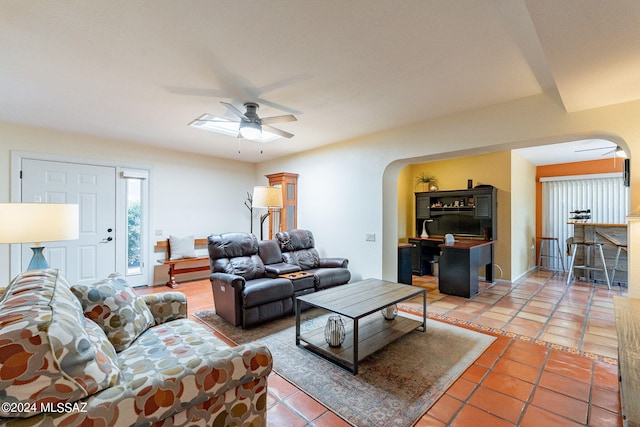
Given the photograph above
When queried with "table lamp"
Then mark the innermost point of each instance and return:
(266, 197)
(37, 223)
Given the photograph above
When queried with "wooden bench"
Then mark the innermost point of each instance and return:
(627, 312)
(174, 264)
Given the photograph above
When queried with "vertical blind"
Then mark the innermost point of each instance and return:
(604, 194)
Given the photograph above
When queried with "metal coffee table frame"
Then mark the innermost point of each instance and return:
(366, 333)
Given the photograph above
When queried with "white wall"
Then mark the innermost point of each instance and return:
(190, 194)
(350, 188)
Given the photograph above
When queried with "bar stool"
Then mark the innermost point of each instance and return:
(549, 254)
(587, 258)
(621, 247)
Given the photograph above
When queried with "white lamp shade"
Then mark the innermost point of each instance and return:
(250, 130)
(267, 197)
(38, 222)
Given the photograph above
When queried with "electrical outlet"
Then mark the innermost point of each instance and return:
(158, 232)
(370, 237)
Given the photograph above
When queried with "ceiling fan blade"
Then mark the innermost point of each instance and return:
(592, 149)
(217, 120)
(234, 110)
(277, 131)
(278, 119)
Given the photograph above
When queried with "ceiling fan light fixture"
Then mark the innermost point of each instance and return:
(250, 130)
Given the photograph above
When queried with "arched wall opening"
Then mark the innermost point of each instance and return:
(515, 234)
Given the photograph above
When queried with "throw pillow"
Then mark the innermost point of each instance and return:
(116, 308)
(181, 248)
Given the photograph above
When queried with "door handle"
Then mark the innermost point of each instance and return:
(107, 240)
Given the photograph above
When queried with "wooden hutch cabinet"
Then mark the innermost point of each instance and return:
(287, 218)
(467, 214)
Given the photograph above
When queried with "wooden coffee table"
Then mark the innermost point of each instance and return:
(369, 331)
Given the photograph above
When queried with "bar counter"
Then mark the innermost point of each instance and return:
(612, 236)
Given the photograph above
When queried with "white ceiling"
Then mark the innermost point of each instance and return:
(142, 70)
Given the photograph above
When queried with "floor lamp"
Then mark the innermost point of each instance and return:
(266, 197)
(37, 223)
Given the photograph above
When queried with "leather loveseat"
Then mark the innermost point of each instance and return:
(250, 279)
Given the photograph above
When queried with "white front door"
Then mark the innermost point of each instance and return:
(93, 256)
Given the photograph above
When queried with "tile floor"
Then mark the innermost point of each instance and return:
(540, 306)
(514, 382)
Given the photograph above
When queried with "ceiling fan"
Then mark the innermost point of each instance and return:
(619, 152)
(249, 125)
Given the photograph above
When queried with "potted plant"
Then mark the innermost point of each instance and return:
(427, 181)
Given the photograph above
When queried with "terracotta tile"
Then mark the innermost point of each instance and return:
(578, 309)
(566, 324)
(538, 311)
(328, 419)
(535, 359)
(574, 334)
(498, 316)
(457, 314)
(599, 417)
(569, 370)
(510, 311)
(281, 415)
(535, 302)
(475, 373)
(573, 359)
(517, 369)
(471, 416)
(497, 404)
(305, 405)
(461, 389)
(536, 417)
(560, 404)
(527, 323)
(560, 340)
(487, 359)
(445, 408)
(280, 387)
(601, 340)
(607, 351)
(498, 346)
(600, 323)
(487, 321)
(426, 421)
(509, 385)
(606, 399)
(568, 316)
(605, 376)
(565, 385)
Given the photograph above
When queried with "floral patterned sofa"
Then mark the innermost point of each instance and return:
(101, 355)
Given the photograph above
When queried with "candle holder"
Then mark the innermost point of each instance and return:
(390, 312)
(334, 331)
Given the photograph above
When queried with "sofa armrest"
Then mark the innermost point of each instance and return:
(223, 279)
(227, 296)
(255, 357)
(167, 306)
(281, 268)
(334, 262)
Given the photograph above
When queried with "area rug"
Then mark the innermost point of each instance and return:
(394, 387)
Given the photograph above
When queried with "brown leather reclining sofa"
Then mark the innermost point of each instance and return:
(246, 275)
